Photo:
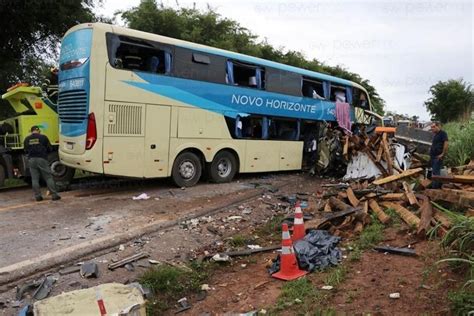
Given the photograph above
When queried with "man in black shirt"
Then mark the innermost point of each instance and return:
(439, 149)
(37, 147)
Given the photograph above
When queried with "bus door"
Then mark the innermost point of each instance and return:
(124, 139)
(157, 140)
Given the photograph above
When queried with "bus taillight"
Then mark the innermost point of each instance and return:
(91, 136)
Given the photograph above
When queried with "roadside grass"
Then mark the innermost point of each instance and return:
(369, 237)
(238, 241)
(459, 244)
(461, 143)
(336, 276)
(272, 228)
(299, 292)
(169, 283)
(395, 219)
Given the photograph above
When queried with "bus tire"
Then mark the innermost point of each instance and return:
(223, 167)
(187, 169)
(62, 174)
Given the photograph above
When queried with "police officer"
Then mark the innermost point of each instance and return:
(37, 147)
(439, 149)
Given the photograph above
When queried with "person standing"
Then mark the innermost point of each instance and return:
(37, 147)
(439, 149)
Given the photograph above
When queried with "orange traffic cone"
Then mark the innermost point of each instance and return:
(289, 269)
(298, 224)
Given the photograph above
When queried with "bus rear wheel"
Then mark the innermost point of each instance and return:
(223, 167)
(187, 169)
(3, 175)
(62, 174)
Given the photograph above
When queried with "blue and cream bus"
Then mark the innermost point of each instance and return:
(142, 105)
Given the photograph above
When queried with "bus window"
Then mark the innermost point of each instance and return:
(189, 64)
(283, 129)
(250, 127)
(245, 75)
(312, 88)
(141, 55)
(282, 81)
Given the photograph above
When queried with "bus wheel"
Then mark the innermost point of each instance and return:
(61, 173)
(187, 170)
(223, 167)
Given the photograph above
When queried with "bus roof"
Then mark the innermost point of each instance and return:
(216, 51)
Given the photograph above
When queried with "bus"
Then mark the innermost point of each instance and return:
(141, 105)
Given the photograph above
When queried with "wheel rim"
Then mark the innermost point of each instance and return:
(224, 167)
(58, 169)
(187, 169)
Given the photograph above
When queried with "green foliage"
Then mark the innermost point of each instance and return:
(395, 219)
(30, 33)
(461, 143)
(462, 302)
(238, 241)
(300, 291)
(272, 228)
(451, 100)
(209, 28)
(336, 276)
(371, 235)
(169, 283)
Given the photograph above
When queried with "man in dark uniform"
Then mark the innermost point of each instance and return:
(37, 147)
(439, 149)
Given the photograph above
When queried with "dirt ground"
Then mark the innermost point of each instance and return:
(243, 285)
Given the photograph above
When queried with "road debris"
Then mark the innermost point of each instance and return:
(396, 251)
(130, 259)
(89, 270)
(142, 196)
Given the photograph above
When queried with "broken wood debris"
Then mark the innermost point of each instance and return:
(130, 259)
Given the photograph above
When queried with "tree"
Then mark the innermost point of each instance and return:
(30, 33)
(451, 100)
(209, 28)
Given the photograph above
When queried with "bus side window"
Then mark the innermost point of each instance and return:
(137, 54)
(312, 88)
(245, 75)
(283, 129)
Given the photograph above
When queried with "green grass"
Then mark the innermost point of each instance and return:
(459, 243)
(272, 228)
(169, 283)
(461, 143)
(238, 241)
(370, 236)
(301, 292)
(395, 219)
(11, 183)
(336, 276)
(462, 302)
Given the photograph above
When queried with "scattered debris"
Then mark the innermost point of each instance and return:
(184, 305)
(130, 259)
(142, 196)
(327, 287)
(69, 270)
(395, 295)
(221, 257)
(396, 251)
(89, 270)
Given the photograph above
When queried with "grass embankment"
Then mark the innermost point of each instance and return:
(461, 143)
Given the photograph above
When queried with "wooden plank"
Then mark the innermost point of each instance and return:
(404, 174)
(458, 197)
(393, 197)
(381, 215)
(426, 215)
(345, 151)
(365, 207)
(387, 154)
(442, 218)
(379, 153)
(352, 198)
(409, 193)
(410, 218)
(339, 204)
(327, 208)
(467, 179)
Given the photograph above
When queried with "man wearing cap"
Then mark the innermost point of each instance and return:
(37, 147)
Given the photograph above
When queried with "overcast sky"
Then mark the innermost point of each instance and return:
(402, 47)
